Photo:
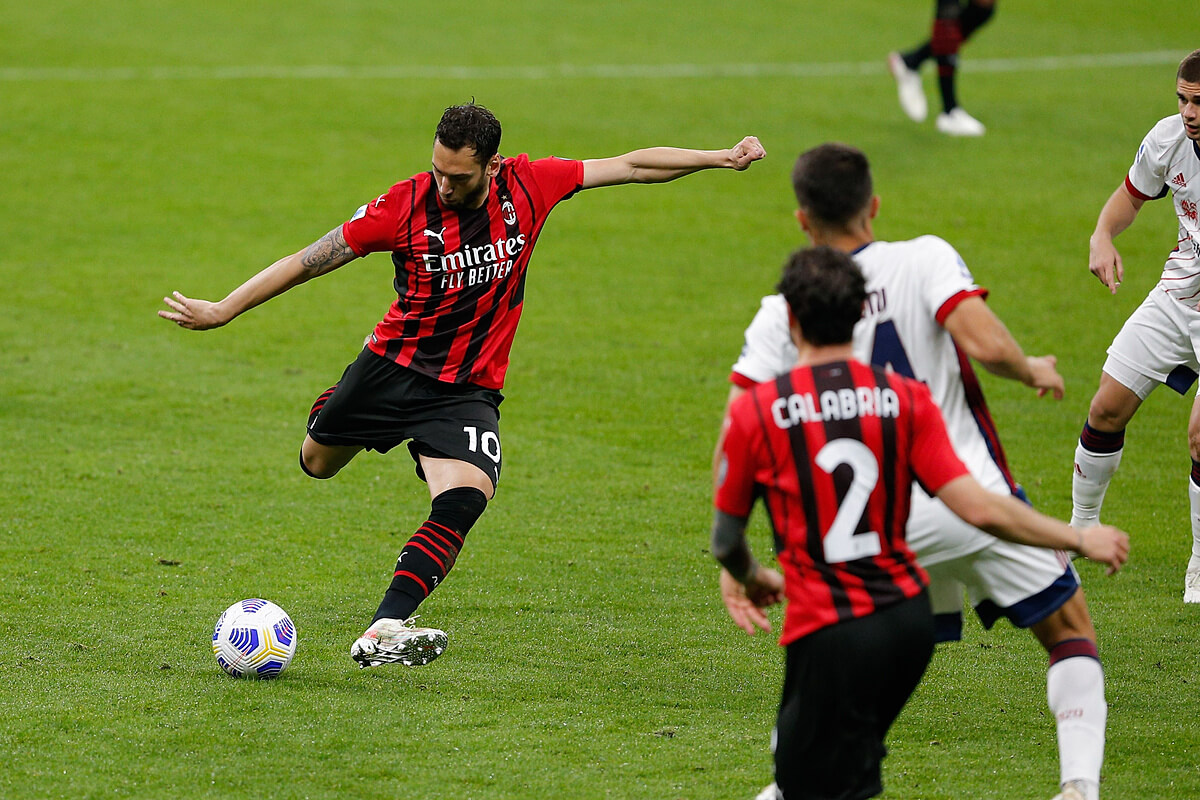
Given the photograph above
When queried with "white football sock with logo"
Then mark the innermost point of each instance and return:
(1194, 501)
(1093, 472)
(1075, 692)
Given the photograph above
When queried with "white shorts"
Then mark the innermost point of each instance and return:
(1001, 579)
(1156, 345)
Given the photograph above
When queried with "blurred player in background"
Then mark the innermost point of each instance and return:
(1159, 342)
(834, 447)
(460, 236)
(953, 24)
(926, 318)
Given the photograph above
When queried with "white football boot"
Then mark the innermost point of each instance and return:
(769, 792)
(959, 123)
(909, 88)
(1191, 586)
(1071, 791)
(389, 641)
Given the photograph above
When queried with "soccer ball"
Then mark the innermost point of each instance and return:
(254, 639)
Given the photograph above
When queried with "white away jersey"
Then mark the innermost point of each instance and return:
(768, 351)
(1167, 159)
(912, 287)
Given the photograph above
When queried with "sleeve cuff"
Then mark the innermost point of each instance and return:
(1136, 192)
(358, 249)
(954, 300)
(738, 379)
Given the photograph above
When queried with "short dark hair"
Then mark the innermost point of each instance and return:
(826, 291)
(470, 125)
(832, 183)
(1189, 68)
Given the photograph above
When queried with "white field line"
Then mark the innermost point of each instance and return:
(564, 71)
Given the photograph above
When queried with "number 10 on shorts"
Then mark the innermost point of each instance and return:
(488, 443)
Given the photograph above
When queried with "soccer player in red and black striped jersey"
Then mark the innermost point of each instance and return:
(834, 447)
(460, 236)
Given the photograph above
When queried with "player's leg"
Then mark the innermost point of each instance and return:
(1075, 694)
(1153, 348)
(976, 14)
(459, 492)
(1191, 580)
(1038, 589)
(838, 703)
(457, 449)
(1098, 452)
(944, 45)
(905, 68)
(343, 420)
(323, 461)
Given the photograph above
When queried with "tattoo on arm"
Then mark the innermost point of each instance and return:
(327, 253)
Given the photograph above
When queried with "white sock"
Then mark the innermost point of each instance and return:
(1075, 692)
(1194, 501)
(1093, 471)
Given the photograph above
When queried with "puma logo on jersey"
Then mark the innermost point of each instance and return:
(1179, 181)
(440, 235)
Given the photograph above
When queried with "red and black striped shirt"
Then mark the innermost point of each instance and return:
(834, 449)
(460, 274)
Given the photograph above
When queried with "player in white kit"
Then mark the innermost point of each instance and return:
(925, 318)
(1159, 342)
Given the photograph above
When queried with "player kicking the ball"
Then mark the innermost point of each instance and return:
(925, 318)
(461, 236)
(1159, 342)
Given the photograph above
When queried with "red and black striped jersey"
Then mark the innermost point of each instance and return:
(834, 450)
(460, 274)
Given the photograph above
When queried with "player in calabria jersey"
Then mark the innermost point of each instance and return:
(834, 446)
(1159, 342)
(460, 236)
(926, 318)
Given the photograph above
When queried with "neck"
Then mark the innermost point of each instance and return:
(811, 355)
(848, 239)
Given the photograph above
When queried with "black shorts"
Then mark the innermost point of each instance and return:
(379, 404)
(845, 684)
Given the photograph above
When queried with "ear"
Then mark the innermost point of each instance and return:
(874, 208)
(493, 166)
(805, 224)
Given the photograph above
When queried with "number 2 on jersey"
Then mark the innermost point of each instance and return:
(841, 543)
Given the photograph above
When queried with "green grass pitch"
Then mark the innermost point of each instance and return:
(149, 474)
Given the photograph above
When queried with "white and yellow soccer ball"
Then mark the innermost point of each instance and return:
(254, 639)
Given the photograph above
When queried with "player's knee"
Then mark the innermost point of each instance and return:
(1107, 416)
(1194, 443)
(1070, 621)
(316, 467)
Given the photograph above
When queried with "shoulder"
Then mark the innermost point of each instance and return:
(773, 307)
(930, 244)
(921, 255)
(1167, 129)
(523, 163)
(409, 187)
(918, 249)
(1165, 136)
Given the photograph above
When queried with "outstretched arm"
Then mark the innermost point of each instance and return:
(981, 335)
(1008, 518)
(322, 256)
(660, 164)
(1118, 214)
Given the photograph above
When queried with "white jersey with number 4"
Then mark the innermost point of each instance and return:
(912, 287)
(1168, 160)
